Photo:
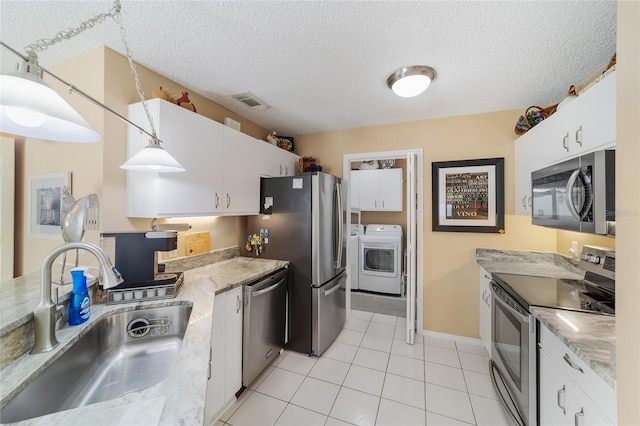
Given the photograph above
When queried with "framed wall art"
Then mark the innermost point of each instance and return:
(45, 199)
(468, 195)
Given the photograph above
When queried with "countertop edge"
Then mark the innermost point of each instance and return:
(580, 347)
(180, 398)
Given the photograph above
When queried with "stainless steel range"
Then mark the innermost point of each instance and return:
(513, 364)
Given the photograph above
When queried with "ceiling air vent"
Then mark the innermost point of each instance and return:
(251, 100)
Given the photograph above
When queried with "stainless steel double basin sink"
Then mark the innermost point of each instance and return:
(121, 353)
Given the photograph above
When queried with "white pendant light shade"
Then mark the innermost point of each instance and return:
(153, 158)
(30, 108)
(408, 82)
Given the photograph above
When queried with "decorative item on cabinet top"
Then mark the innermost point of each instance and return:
(533, 116)
(182, 101)
(308, 164)
(163, 94)
(284, 142)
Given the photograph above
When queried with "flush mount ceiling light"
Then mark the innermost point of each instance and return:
(30, 108)
(411, 81)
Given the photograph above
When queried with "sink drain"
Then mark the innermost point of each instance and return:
(139, 327)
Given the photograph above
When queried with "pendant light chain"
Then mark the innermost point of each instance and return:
(134, 71)
(44, 43)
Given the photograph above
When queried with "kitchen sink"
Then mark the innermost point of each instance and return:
(122, 353)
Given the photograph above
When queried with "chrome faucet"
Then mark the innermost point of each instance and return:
(44, 316)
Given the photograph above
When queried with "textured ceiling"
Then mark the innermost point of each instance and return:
(322, 65)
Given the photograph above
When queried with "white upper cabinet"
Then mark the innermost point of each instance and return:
(223, 166)
(586, 124)
(354, 178)
(379, 189)
(241, 178)
(276, 162)
(197, 143)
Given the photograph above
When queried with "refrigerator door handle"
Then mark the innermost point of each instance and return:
(333, 289)
(340, 225)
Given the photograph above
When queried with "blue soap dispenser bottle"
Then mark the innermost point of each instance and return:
(79, 303)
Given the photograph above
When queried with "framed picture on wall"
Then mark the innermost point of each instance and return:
(45, 199)
(468, 195)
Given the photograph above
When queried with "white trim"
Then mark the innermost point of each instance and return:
(437, 334)
(385, 155)
(7, 191)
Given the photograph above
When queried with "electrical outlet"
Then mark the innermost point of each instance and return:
(573, 251)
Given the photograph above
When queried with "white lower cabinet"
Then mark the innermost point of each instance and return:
(569, 389)
(225, 378)
(485, 309)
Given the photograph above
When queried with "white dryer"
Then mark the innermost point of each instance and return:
(354, 249)
(381, 259)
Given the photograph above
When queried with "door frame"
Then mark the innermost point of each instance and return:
(347, 159)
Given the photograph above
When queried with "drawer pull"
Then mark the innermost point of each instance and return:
(579, 417)
(561, 400)
(571, 364)
(565, 142)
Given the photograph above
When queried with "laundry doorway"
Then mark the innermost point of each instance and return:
(385, 189)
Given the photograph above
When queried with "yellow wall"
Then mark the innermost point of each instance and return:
(628, 213)
(450, 271)
(83, 160)
(565, 238)
(105, 75)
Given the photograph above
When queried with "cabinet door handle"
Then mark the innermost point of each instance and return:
(280, 169)
(209, 372)
(579, 136)
(217, 201)
(286, 170)
(571, 364)
(375, 204)
(561, 400)
(524, 202)
(578, 418)
(383, 204)
(529, 202)
(238, 304)
(228, 200)
(565, 142)
(487, 277)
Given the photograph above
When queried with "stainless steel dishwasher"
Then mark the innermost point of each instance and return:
(264, 326)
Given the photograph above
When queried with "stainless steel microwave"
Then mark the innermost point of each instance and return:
(576, 194)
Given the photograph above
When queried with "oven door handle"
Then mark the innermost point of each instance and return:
(497, 298)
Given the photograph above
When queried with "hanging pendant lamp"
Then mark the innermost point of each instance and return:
(30, 108)
(153, 158)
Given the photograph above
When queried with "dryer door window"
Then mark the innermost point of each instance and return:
(379, 260)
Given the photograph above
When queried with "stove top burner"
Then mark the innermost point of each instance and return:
(579, 295)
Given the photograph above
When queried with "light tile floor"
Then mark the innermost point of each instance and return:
(370, 376)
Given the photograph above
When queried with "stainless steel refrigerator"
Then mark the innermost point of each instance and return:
(303, 220)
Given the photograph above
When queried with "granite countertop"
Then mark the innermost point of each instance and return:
(534, 263)
(593, 343)
(180, 398)
(19, 296)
